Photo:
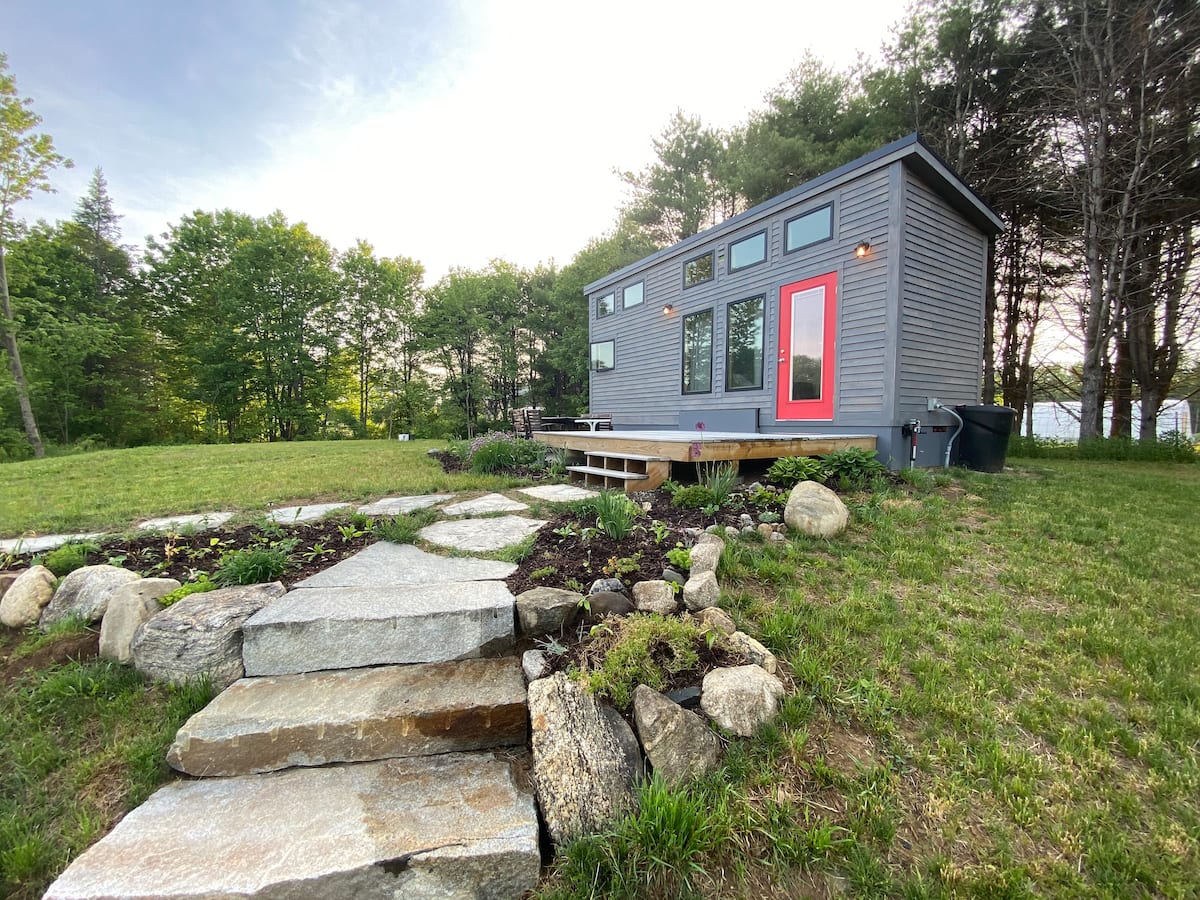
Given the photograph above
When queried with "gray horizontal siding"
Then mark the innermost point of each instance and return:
(941, 298)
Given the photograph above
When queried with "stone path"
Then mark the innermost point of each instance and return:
(354, 760)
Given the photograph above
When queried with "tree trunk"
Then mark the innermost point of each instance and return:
(989, 327)
(14, 361)
(1122, 388)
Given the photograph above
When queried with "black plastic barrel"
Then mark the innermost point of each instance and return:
(983, 444)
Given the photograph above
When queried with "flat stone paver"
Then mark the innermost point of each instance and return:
(44, 542)
(311, 629)
(396, 506)
(481, 535)
(199, 521)
(385, 563)
(265, 724)
(558, 493)
(287, 515)
(456, 825)
(488, 503)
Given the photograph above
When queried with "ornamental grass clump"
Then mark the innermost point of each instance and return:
(615, 514)
(254, 566)
(497, 451)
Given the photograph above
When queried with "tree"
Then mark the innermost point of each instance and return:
(26, 160)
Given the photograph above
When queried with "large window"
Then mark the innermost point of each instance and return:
(808, 229)
(748, 251)
(698, 352)
(744, 345)
(606, 305)
(634, 294)
(698, 270)
(602, 355)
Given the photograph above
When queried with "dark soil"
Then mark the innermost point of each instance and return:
(80, 646)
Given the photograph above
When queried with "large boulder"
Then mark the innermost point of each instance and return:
(200, 635)
(706, 554)
(85, 593)
(741, 699)
(23, 602)
(701, 591)
(130, 606)
(655, 597)
(585, 759)
(546, 610)
(678, 743)
(815, 510)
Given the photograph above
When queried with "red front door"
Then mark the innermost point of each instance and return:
(807, 330)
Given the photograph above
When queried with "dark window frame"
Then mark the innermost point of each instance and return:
(712, 268)
(592, 356)
(611, 295)
(804, 215)
(729, 252)
(762, 336)
(712, 325)
(625, 305)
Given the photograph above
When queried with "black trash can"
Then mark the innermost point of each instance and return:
(983, 444)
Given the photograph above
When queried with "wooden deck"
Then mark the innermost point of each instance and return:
(682, 446)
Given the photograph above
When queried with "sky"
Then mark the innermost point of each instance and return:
(449, 132)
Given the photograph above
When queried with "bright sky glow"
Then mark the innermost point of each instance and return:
(453, 133)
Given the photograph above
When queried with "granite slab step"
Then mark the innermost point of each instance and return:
(452, 826)
(385, 563)
(311, 629)
(266, 724)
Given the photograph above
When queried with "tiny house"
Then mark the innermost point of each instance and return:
(850, 305)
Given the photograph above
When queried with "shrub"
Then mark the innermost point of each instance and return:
(643, 649)
(615, 514)
(789, 471)
(497, 451)
(255, 566)
(693, 496)
(404, 528)
(69, 557)
(853, 467)
(199, 586)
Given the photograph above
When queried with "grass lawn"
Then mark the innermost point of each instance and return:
(112, 489)
(997, 693)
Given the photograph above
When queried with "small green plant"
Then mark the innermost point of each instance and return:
(768, 498)
(69, 557)
(350, 531)
(567, 530)
(853, 466)
(623, 565)
(251, 566)
(615, 514)
(693, 496)
(318, 551)
(789, 471)
(362, 521)
(680, 557)
(660, 530)
(200, 585)
(574, 584)
(769, 518)
(720, 480)
(404, 528)
(543, 573)
(556, 461)
(643, 649)
(550, 646)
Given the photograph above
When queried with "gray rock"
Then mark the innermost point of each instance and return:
(290, 515)
(765, 530)
(481, 535)
(815, 510)
(674, 577)
(655, 597)
(534, 664)
(43, 542)
(717, 619)
(398, 506)
(741, 699)
(343, 628)
(198, 521)
(85, 593)
(200, 635)
(451, 826)
(713, 529)
(385, 563)
(679, 745)
(749, 529)
(706, 555)
(777, 538)
(745, 519)
(558, 493)
(687, 697)
(615, 585)
(701, 591)
(583, 766)
(22, 604)
(546, 610)
(354, 715)
(605, 604)
(130, 606)
(754, 651)
(488, 503)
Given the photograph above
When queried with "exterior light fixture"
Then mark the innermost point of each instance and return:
(863, 248)
(668, 309)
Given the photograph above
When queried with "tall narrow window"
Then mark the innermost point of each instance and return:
(698, 352)
(808, 229)
(602, 356)
(744, 345)
(634, 294)
(698, 270)
(748, 251)
(606, 305)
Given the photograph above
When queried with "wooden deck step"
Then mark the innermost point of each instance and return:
(638, 457)
(620, 471)
(608, 473)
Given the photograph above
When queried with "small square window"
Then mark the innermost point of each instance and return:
(808, 229)
(634, 294)
(748, 251)
(698, 270)
(606, 305)
(603, 355)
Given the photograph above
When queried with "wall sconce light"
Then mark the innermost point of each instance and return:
(668, 309)
(863, 248)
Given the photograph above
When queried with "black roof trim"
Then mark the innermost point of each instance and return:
(910, 150)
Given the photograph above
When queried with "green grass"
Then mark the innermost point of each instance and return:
(112, 489)
(80, 743)
(996, 693)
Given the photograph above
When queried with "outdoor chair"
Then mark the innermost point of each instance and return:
(519, 423)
